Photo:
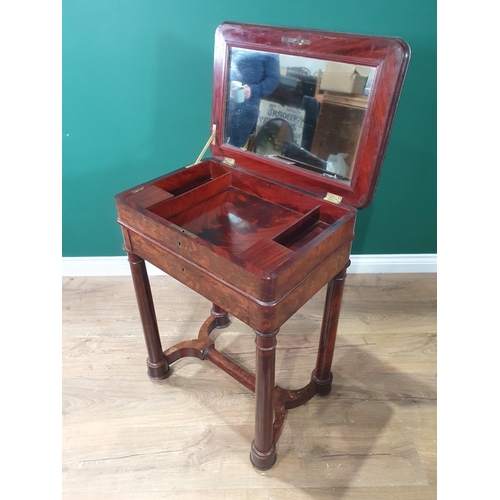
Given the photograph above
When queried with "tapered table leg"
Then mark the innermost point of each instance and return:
(263, 450)
(322, 374)
(221, 317)
(157, 363)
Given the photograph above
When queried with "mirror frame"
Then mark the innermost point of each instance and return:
(388, 56)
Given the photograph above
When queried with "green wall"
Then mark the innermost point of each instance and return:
(137, 78)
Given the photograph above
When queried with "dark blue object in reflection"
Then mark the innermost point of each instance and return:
(261, 72)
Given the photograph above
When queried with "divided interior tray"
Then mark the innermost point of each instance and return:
(240, 216)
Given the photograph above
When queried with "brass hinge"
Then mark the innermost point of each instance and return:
(211, 140)
(228, 161)
(334, 198)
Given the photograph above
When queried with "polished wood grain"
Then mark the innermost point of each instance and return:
(187, 437)
(235, 220)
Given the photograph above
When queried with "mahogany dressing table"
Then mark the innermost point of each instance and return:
(262, 226)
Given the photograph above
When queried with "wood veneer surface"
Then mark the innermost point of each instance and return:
(187, 437)
(235, 220)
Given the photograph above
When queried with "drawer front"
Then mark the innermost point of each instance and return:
(259, 315)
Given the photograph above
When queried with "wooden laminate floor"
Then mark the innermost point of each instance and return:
(188, 437)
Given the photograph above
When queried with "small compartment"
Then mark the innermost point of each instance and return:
(189, 178)
(298, 228)
(266, 255)
(308, 234)
(293, 200)
(302, 231)
(192, 198)
(147, 196)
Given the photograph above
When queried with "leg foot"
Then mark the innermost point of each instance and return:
(221, 317)
(263, 451)
(158, 371)
(323, 387)
(322, 375)
(263, 461)
(157, 362)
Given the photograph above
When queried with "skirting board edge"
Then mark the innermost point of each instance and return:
(390, 263)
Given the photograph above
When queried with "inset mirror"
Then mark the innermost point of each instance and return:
(305, 111)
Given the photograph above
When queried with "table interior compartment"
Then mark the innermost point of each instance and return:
(288, 198)
(243, 215)
(302, 231)
(235, 220)
(188, 179)
(191, 198)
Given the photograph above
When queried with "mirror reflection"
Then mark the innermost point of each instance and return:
(305, 111)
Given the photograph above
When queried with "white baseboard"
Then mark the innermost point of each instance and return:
(389, 263)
